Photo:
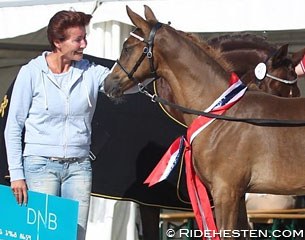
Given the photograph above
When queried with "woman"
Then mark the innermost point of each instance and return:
(53, 99)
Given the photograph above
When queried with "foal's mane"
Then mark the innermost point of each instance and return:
(210, 51)
(241, 41)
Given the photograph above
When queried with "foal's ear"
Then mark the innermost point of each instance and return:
(279, 55)
(297, 57)
(137, 20)
(149, 15)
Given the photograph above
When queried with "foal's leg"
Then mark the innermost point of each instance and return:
(150, 222)
(228, 205)
(242, 217)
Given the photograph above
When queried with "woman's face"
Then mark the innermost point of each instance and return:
(72, 48)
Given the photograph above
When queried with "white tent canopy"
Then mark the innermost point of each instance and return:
(15, 21)
(213, 15)
(189, 16)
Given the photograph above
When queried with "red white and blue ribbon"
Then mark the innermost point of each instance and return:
(167, 163)
(196, 189)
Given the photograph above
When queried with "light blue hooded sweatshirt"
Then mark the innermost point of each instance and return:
(57, 122)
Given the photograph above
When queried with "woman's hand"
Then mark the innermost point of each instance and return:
(20, 191)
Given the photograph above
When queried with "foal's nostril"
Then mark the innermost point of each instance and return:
(112, 89)
(110, 86)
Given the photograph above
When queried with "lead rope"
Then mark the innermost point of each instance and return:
(254, 121)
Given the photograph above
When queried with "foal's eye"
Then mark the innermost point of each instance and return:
(126, 50)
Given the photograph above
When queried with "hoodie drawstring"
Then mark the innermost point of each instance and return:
(88, 98)
(45, 92)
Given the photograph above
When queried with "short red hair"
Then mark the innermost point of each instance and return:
(63, 20)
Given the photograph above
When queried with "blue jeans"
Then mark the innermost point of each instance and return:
(68, 180)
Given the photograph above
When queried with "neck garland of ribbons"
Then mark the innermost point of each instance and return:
(196, 189)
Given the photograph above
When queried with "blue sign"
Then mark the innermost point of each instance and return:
(45, 217)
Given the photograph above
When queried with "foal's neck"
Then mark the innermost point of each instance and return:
(197, 74)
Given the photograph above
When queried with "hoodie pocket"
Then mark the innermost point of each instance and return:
(79, 131)
(48, 130)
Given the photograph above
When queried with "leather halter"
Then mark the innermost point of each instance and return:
(147, 52)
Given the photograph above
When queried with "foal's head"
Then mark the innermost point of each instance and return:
(277, 74)
(156, 50)
(136, 55)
